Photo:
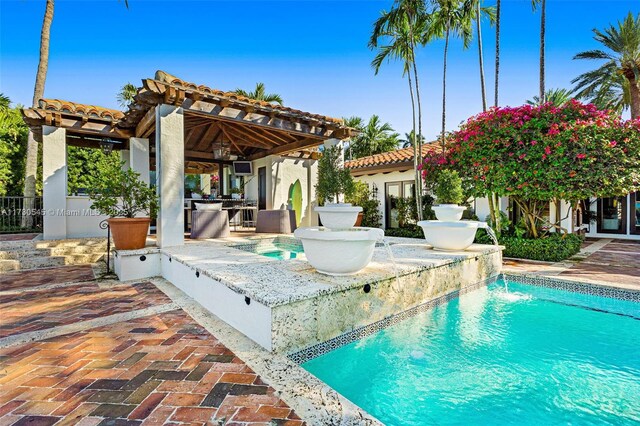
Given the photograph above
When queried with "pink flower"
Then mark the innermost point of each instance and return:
(533, 143)
(613, 143)
(581, 156)
(547, 150)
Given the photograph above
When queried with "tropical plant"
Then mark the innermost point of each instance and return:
(540, 154)
(404, 28)
(542, 4)
(121, 193)
(85, 165)
(333, 179)
(557, 97)
(407, 141)
(479, 13)
(13, 137)
(375, 137)
(260, 94)
(616, 82)
(31, 161)
(449, 18)
(362, 197)
(448, 188)
(497, 59)
(126, 94)
(355, 123)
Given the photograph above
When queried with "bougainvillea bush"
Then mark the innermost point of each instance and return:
(542, 154)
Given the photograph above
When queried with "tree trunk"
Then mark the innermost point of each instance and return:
(498, 2)
(543, 18)
(481, 58)
(414, 142)
(31, 164)
(444, 89)
(635, 98)
(418, 136)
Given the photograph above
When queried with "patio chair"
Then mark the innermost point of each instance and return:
(209, 224)
(276, 221)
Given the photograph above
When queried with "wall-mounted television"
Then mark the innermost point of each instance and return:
(242, 168)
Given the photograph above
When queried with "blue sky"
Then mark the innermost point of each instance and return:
(313, 53)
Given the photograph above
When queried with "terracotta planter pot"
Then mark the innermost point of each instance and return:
(359, 219)
(129, 233)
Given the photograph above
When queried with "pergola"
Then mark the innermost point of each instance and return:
(190, 125)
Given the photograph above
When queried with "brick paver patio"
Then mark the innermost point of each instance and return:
(39, 277)
(157, 369)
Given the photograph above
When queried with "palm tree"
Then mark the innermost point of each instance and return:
(407, 142)
(620, 72)
(260, 94)
(31, 163)
(543, 28)
(607, 92)
(479, 12)
(375, 137)
(497, 79)
(355, 123)
(557, 97)
(450, 17)
(5, 102)
(404, 28)
(126, 94)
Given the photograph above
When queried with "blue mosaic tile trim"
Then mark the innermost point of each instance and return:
(269, 244)
(320, 349)
(576, 287)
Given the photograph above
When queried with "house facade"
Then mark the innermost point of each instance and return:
(391, 174)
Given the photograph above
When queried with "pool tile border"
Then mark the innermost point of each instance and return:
(575, 286)
(320, 349)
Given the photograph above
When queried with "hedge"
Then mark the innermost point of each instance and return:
(552, 248)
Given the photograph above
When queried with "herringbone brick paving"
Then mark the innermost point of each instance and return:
(38, 277)
(46, 308)
(160, 369)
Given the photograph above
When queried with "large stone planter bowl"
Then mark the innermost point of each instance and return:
(449, 236)
(339, 252)
(448, 212)
(129, 233)
(338, 216)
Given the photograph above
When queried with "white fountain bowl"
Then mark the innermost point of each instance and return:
(448, 212)
(449, 236)
(338, 216)
(338, 252)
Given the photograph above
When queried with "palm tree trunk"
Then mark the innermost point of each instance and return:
(543, 25)
(444, 89)
(481, 58)
(418, 136)
(31, 164)
(414, 142)
(498, 3)
(635, 98)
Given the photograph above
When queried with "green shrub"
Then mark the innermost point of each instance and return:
(552, 248)
(361, 196)
(448, 188)
(408, 231)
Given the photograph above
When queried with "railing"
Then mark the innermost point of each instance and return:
(20, 214)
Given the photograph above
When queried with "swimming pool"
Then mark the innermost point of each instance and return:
(281, 248)
(529, 355)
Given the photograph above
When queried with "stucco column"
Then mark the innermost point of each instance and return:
(125, 158)
(205, 183)
(139, 157)
(54, 179)
(170, 175)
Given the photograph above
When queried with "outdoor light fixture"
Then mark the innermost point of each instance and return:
(221, 152)
(107, 145)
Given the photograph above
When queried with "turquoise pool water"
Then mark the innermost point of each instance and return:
(281, 248)
(529, 356)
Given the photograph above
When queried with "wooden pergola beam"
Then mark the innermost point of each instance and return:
(284, 149)
(147, 125)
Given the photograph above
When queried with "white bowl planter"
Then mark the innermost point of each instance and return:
(449, 236)
(338, 252)
(338, 216)
(448, 212)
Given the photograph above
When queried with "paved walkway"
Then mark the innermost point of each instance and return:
(107, 353)
(605, 261)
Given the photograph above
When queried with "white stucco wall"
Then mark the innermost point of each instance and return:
(82, 222)
(380, 179)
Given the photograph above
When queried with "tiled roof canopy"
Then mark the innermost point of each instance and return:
(398, 158)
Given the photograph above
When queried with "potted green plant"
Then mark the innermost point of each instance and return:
(121, 195)
(448, 192)
(334, 184)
